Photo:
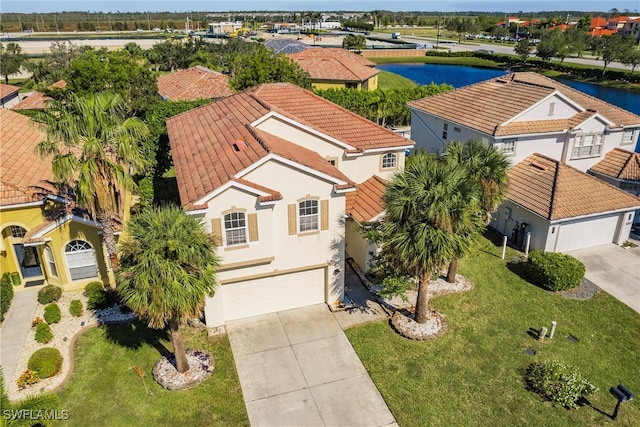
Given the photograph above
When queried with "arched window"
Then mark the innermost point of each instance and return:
(389, 161)
(235, 228)
(81, 260)
(308, 213)
(17, 232)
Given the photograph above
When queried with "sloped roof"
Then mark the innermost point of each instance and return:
(367, 201)
(6, 90)
(279, 45)
(60, 84)
(620, 164)
(24, 176)
(35, 101)
(557, 191)
(205, 141)
(193, 84)
(334, 64)
(487, 105)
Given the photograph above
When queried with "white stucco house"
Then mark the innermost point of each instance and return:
(278, 175)
(562, 208)
(522, 114)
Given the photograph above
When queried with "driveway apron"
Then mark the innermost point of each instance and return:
(297, 368)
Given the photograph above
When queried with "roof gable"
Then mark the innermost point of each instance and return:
(557, 191)
(619, 164)
(35, 101)
(367, 202)
(334, 64)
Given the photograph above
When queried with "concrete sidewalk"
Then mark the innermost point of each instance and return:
(615, 270)
(14, 329)
(297, 368)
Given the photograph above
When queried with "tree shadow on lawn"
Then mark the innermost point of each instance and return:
(133, 335)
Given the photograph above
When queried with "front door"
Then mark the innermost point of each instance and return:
(28, 260)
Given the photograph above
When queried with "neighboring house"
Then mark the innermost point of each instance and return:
(620, 168)
(562, 208)
(44, 238)
(522, 114)
(8, 95)
(270, 171)
(193, 84)
(337, 68)
(631, 29)
(36, 100)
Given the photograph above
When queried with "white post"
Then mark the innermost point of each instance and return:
(504, 246)
(553, 329)
(526, 246)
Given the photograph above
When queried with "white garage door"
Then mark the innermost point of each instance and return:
(587, 233)
(261, 296)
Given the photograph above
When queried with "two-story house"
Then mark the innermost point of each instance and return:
(535, 120)
(269, 170)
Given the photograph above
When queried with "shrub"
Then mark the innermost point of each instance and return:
(28, 377)
(558, 382)
(6, 294)
(98, 297)
(75, 308)
(52, 313)
(36, 321)
(49, 294)
(43, 333)
(46, 362)
(554, 271)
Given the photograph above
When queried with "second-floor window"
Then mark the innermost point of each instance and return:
(389, 161)
(445, 131)
(308, 214)
(627, 136)
(235, 228)
(587, 145)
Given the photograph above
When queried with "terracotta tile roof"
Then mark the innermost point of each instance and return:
(6, 90)
(620, 164)
(60, 84)
(556, 191)
(556, 125)
(35, 101)
(23, 175)
(487, 105)
(334, 64)
(193, 84)
(212, 143)
(366, 202)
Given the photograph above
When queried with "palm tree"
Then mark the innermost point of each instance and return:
(40, 402)
(167, 267)
(486, 167)
(94, 148)
(425, 204)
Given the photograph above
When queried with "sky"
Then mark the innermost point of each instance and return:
(506, 6)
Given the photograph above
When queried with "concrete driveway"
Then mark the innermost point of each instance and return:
(615, 270)
(297, 368)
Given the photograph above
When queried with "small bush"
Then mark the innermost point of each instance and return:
(554, 271)
(98, 297)
(75, 308)
(43, 333)
(28, 377)
(36, 321)
(52, 313)
(6, 294)
(49, 294)
(558, 382)
(46, 362)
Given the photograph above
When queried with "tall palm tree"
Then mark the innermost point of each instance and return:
(167, 267)
(95, 147)
(425, 204)
(485, 167)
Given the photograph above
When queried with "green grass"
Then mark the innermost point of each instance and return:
(104, 391)
(459, 60)
(388, 80)
(473, 374)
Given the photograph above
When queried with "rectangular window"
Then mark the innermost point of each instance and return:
(551, 108)
(308, 212)
(509, 146)
(588, 145)
(49, 257)
(235, 228)
(445, 131)
(627, 137)
(457, 130)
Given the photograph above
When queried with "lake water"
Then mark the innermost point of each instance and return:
(460, 75)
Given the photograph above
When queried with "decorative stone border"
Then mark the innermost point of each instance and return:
(201, 364)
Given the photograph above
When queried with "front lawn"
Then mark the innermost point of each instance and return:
(104, 390)
(473, 374)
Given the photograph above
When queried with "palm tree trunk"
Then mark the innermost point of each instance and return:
(453, 268)
(108, 234)
(422, 302)
(178, 347)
